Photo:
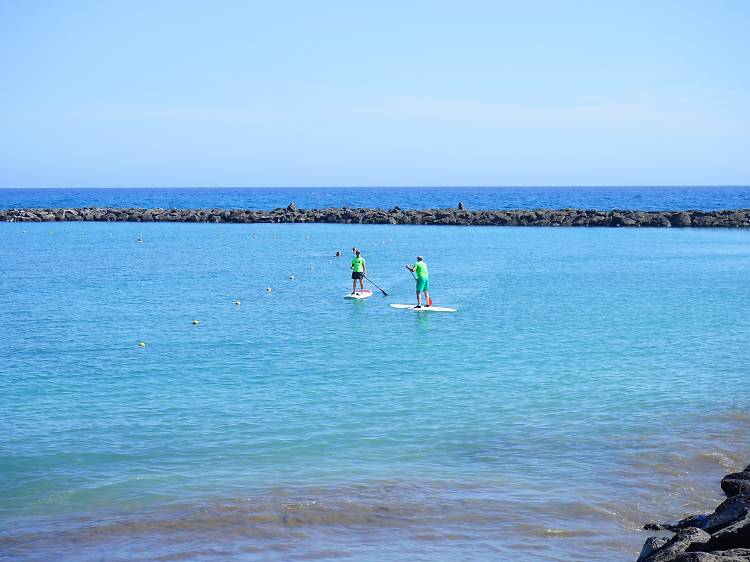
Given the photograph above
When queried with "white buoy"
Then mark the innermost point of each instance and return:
(141, 344)
(291, 277)
(268, 289)
(196, 322)
(312, 268)
(237, 303)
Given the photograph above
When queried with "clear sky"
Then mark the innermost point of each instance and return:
(309, 93)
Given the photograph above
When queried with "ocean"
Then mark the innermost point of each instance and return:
(591, 381)
(603, 198)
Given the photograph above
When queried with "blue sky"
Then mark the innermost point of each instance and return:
(149, 93)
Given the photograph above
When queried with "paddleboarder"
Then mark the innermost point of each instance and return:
(419, 270)
(359, 270)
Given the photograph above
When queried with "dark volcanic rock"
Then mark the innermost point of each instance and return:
(683, 539)
(735, 535)
(680, 219)
(736, 483)
(721, 535)
(651, 545)
(460, 216)
(733, 555)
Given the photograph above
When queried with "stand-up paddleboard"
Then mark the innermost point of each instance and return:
(414, 308)
(359, 294)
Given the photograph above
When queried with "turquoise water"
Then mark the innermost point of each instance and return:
(591, 381)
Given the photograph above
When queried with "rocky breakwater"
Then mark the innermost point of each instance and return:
(721, 536)
(459, 217)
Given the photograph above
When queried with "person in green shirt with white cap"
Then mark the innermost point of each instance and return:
(359, 271)
(419, 270)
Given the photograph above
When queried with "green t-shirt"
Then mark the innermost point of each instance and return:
(420, 268)
(358, 264)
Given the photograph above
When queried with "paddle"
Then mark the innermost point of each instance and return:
(381, 290)
(415, 278)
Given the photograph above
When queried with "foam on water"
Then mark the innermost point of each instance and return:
(592, 381)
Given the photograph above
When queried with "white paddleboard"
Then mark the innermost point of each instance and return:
(359, 294)
(414, 308)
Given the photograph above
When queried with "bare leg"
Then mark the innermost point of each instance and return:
(361, 284)
(354, 285)
(427, 298)
(419, 299)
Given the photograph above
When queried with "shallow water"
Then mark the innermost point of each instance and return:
(592, 380)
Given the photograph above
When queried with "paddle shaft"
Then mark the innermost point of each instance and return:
(381, 290)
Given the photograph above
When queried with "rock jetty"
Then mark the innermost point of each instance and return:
(721, 536)
(292, 214)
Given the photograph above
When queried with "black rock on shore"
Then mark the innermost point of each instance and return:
(292, 214)
(721, 536)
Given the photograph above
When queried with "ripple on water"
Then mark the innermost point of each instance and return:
(588, 385)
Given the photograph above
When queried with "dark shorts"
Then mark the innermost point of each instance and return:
(358, 275)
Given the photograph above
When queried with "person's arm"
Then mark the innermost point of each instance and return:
(410, 268)
(364, 267)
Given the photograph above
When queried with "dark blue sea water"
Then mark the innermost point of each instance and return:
(603, 198)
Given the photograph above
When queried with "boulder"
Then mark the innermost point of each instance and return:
(678, 544)
(729, 511)
(735, 535)
(733, 555)
(680, 219)
(651, 545)
(736, 483)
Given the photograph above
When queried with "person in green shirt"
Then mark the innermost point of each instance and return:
(419, 270)
(359, 270)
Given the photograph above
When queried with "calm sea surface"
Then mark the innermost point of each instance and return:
(592, 380)
(606, 198)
